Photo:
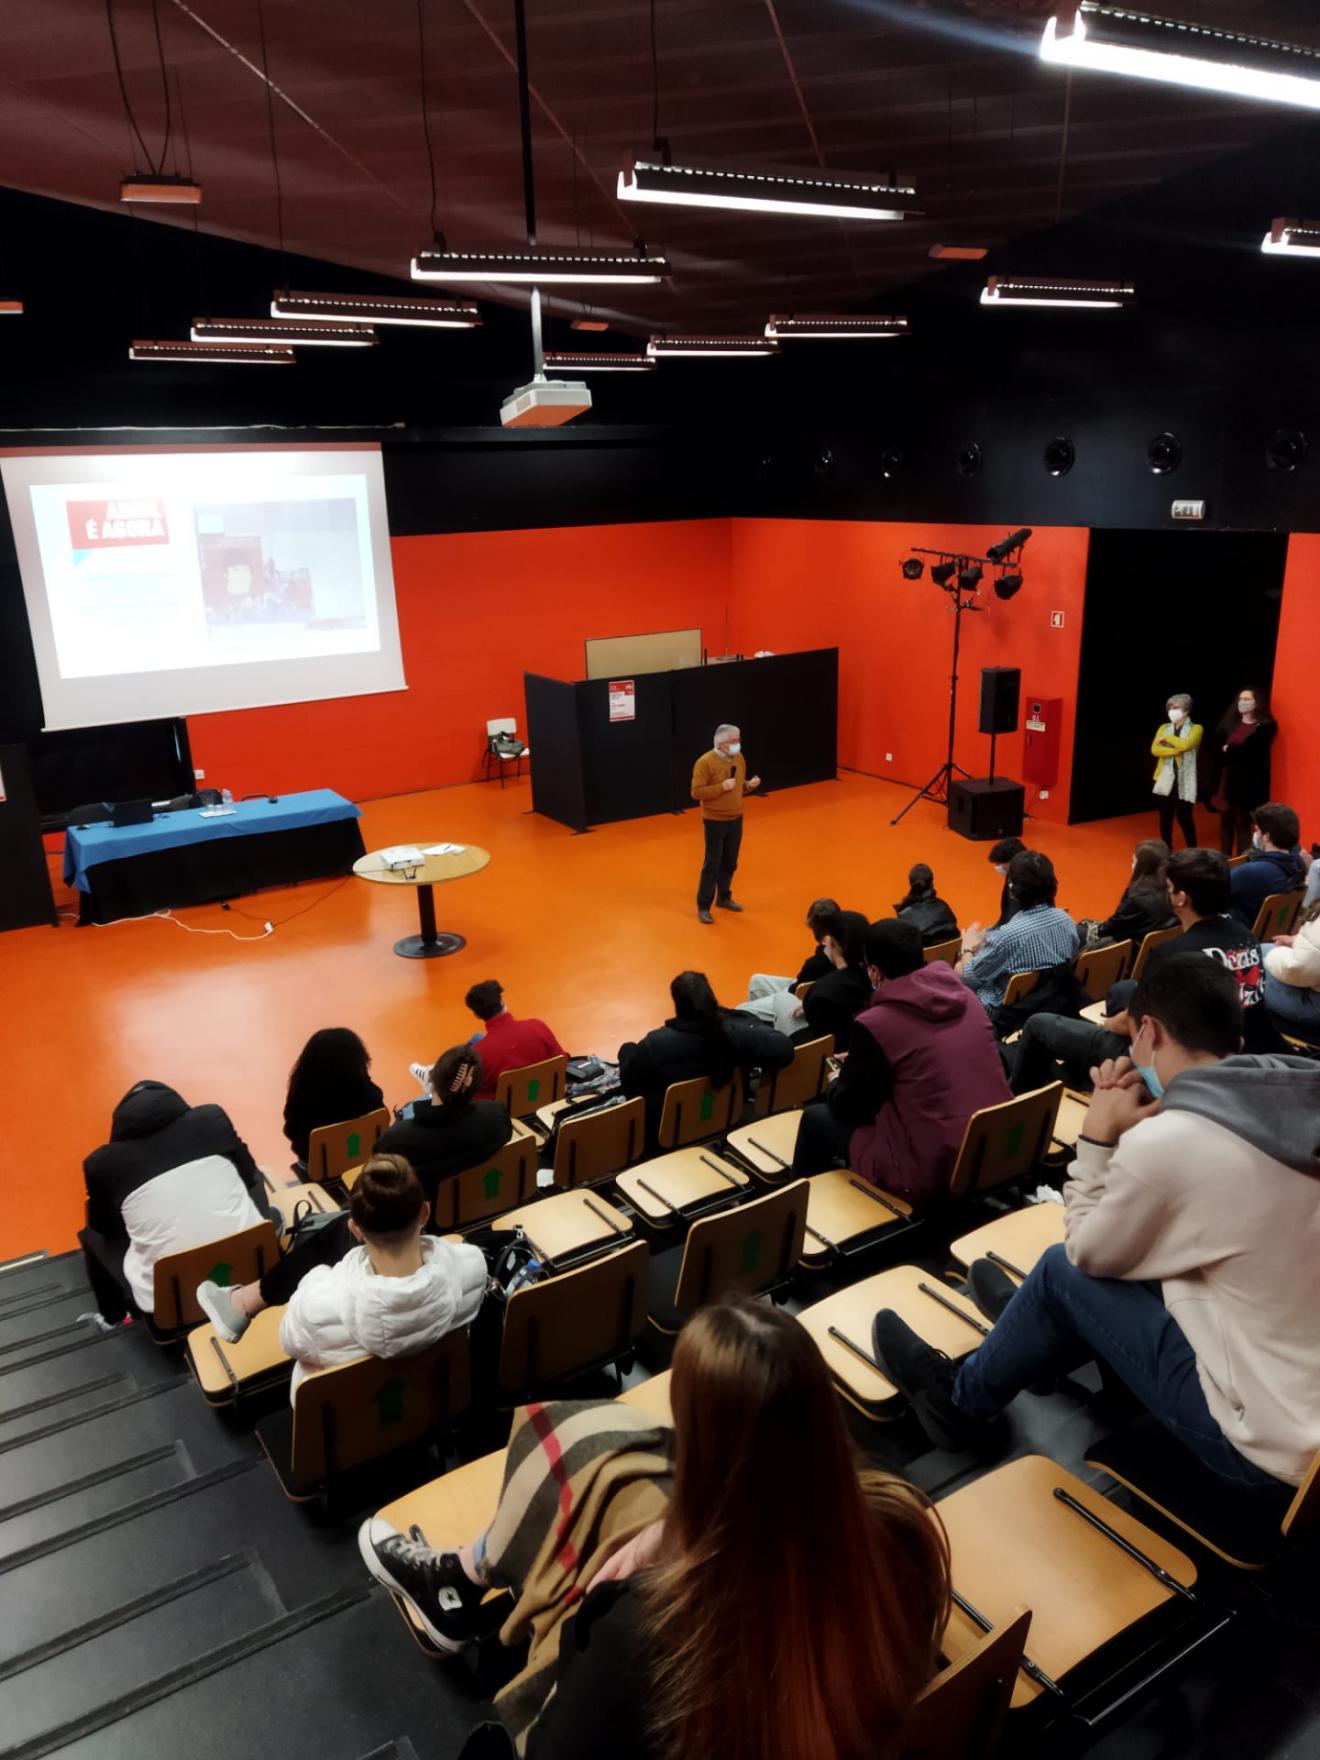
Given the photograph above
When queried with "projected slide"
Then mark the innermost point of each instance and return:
(180, 582)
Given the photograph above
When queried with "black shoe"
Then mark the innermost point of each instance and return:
(728, 904)
(992, 1289)
(926, 1378)
(434, 1584)
(704, 916)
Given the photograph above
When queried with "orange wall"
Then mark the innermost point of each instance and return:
(1295, 776)
(810, 583)
(476, 610)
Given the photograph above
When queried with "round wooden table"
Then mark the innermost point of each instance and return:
(430, 944)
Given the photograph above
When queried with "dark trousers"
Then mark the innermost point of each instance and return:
(1186, 815)
(821, 1140)
(103, 1261)
(1050, 1039)
(723, 841)
(1234, 830)
(324, 1246)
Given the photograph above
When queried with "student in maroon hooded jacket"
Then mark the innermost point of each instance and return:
(921, 1061)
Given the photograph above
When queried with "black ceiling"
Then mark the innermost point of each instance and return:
(999, 144)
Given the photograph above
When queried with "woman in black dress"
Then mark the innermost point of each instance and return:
(1244, 738)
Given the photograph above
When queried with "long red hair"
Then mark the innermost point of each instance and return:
(798, 1604)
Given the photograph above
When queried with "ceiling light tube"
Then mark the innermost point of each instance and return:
(220, 353)
(11, 308)
(374, 308)
(1057, 290)
(959, 253)
(731, 347)
(536, 268)
(597, 363)
(1293, 238)
(838, 195)
(171, 191)
(281, 333)
(1108, 39)
(832, 328)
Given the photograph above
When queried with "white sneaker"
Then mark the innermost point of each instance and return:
(421, 1074)
(218, 1305)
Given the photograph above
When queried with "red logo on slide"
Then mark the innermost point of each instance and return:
(109, 525)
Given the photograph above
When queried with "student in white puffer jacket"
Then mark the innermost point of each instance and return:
(393, 1295)
(1291, 985)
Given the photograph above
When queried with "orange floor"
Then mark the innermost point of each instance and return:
(585, 931)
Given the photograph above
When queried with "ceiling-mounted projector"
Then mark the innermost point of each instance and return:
(545, 403)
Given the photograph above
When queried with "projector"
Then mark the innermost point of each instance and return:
(545, 403)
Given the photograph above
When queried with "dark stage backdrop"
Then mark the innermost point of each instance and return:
(1165, 612)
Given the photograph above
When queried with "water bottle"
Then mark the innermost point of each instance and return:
(226, 799)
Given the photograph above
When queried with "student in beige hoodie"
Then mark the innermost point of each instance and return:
(1193, 1233)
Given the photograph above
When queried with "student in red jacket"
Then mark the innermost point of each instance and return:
(507, 1043)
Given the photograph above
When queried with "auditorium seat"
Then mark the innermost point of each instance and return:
(583, 1319)
(229, 1373)
(799, 1081)
(949, 951)
(669, 1191)
(961, 1714)
(754, 1247)
(523, 1090)
(1013, 1242)
(1099, 967)
(295, 1197)
(501, 1182)
(333, 1149)
(695, 1111)
(235, 1258)
(1277, 914)
(1156, 938)
(1019, 985)
(596, 1145)
(566, 1227)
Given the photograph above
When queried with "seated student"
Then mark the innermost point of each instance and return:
(822, 920)
(833, 1000)
(172, 1176)
(1291, 984)
(933, 920)
(507, 1043)
(453, 1129)
(392, 1295)
(1193, 1225)
(1144, 905)
(1274, 865)
(1198, 883)
(999, 857)
(699, 1039)
(1049, 1041)
(921, 1061)
(1039, 935)
(330, 1082)
(766, 1595)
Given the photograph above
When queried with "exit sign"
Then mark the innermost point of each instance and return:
(1056, 620)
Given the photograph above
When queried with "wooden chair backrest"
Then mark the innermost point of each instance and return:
(357, 1412)
(786, 1089)
(599, 1144)
(800, 990)
(1003, 1143)
(1237, 861)
(1156, 938)
(501, 1182)
(536, 1084)
(950, 951)
(230, 1260)
(1277, 914)
(1019, 985)
(1097, 969)
(961, 1714)
(333, 1148)
(694, 1111)
(753, 1247)
(571, 1323)
(1301, 1523)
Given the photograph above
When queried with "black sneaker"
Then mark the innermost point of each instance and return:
(434, 1584)
(926, 1378)
(704, 916)
(992, 1288)
(728, 904)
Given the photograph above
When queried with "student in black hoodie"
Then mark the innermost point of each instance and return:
(927, 912)
(330, 1082)
(834, 999)
(451, 1131)
(172, 1176)
(1145, 902)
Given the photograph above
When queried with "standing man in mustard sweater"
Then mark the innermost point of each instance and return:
(719, 781)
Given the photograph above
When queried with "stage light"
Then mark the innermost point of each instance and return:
(1108, 39)
(1007, 585)
(1056, 290)
(1292, 238)
(969, 577)
(1004, 548)
(838, 195)
(537, 268)
(943, 572)
(912, 567)
(959, 253)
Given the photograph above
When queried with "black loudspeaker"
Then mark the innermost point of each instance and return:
(986, 811)
(1001, 687)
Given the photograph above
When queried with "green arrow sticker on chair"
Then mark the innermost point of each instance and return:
(707, 1107)
(534, 1088)
(353, 1144)
(389, 1404)
(491, 1182)
(1013, 1138)
(221, 1274)
(751, 1251)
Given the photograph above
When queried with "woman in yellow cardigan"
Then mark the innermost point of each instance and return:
(1174, 747)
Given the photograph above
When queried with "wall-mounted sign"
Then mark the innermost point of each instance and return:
(623, 699)
(1189, 510)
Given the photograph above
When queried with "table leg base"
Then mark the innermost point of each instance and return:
(419, 947)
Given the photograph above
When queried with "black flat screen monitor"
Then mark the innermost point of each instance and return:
(129, 760)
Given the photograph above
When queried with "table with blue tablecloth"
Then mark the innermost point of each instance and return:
(192, 857)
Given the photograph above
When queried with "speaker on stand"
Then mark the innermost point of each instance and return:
(1001, 688)
(987, 808)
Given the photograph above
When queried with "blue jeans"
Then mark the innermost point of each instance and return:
(1291, 1006)
(1062, 1317)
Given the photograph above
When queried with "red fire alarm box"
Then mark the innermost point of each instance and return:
(1042, 729)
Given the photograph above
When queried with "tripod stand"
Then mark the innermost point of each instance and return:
(937, 789)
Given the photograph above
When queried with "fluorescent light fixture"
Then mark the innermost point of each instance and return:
(1293, 238)
(1056, 290)
(597, 363)
(959, 253)
(220, 353)
(11, 308)
(536, 268)
(277, 331)
(1109, 39)
(375, 308)
(838, 195)
(176, 192)
(732, 347)
(831, 328)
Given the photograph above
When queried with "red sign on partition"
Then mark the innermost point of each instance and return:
(108, 525)
(623, 699)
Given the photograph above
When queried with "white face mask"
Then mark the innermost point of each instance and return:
(1246, 705)
(1001, 868)
(1177, 715)
(734, 749)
